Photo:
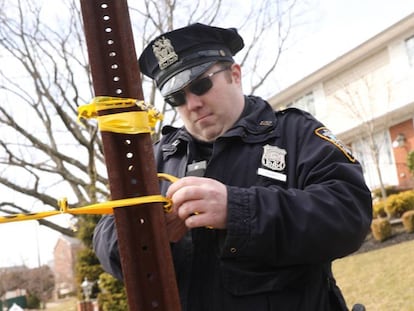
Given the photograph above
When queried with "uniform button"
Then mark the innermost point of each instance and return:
(233, 250)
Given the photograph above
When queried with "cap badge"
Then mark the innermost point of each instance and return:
(164, 52)
(273, 157)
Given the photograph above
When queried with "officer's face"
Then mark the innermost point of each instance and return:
(210, 115)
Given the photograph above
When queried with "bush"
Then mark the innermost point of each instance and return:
(398, 204)
(410, 162)
(381, 229)
(112, 296)
(376, 193)
(33, 302)
(378, 210)
(408, 221)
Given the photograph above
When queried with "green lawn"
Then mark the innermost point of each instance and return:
(382, 280)
(69, 304)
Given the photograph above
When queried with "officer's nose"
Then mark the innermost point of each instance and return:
(193, 101)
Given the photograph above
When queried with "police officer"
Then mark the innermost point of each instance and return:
(266, 200)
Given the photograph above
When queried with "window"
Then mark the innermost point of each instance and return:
(409, 44)
(366, 156)
(306, 103)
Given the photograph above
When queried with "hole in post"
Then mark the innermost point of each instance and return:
(106, 18)
(116, 78)
(104, 6)
(114, 66)
(118, 91)
(108, 29)
(112, 54)
(110, 42)
(129, 155)
(142, 221)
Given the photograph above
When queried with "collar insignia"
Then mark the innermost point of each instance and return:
(265, 123)
(274, 158)
(164, 52)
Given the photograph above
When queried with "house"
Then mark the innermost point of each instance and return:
(65, 253)
(366, 98)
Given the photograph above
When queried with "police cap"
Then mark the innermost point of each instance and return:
(176, 58)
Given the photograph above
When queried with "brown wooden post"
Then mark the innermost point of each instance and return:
(85, 306)
(142, 239)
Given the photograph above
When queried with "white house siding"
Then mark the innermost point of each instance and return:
(377, 78)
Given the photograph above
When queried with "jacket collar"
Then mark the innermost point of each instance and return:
(257, 122)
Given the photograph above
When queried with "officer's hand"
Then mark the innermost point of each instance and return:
(200, 202)
(176, 227)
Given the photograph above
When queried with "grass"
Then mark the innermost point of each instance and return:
(382, 280)
(69, 304)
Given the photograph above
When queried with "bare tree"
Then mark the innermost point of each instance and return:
(38, 282)
(44, 152)
(11, 278)
(361, 99)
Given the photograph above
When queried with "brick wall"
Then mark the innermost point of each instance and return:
(406, 128)
(65, 253)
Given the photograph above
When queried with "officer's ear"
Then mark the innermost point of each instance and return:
(236, 73)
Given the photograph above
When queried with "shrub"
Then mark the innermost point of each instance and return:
(376, 193)
(33, 302)
(378, 209)
(112, 296)
(381, 229)
(397, 204)
(410, 162)
(408, 221)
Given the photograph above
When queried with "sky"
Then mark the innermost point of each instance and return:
(339, 26)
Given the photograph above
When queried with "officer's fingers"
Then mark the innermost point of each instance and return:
(199, 220)
(199, 213)
(186, 194)
(183, 182)
(190, 208)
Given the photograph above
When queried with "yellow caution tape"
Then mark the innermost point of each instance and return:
(98, 208)
(133, 122)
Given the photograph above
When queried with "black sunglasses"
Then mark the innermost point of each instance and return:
(197, 87)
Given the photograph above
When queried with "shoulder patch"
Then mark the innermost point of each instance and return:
(326, 134)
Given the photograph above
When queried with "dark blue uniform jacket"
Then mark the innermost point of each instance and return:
(297, 200)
